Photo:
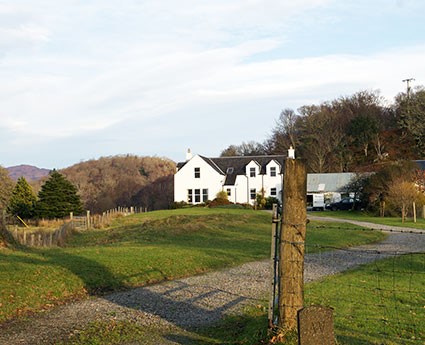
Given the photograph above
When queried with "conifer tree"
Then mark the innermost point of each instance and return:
(22, 201)
(58, 197)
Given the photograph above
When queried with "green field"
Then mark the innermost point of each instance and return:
(143, 249)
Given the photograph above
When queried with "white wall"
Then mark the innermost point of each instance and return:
(185, 179)
(244, 183)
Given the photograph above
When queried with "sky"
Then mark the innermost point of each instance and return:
(84, 79)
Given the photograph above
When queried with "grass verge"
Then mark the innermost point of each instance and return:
(365, 217)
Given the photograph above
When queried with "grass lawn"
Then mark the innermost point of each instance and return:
(365, 217)
(143, 249)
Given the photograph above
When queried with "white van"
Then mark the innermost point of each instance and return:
(316, 202)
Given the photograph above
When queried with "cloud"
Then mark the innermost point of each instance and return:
(81, 69)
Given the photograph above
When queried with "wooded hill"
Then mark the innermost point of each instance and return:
(127, 180)
(360, 132)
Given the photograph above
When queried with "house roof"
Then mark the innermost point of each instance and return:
(421, 164)
(329, 182)
(233, 166)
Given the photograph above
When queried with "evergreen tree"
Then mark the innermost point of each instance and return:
(58, 197)
(22, 201)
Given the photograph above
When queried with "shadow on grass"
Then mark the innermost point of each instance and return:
(187, 307)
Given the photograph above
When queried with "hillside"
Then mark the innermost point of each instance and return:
(31, 173)
(126, 180)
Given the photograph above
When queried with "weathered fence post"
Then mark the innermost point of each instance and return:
(414, 211)
(88, 220)
(274, 253)
(291, 249)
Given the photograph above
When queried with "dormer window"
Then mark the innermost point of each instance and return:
(252, 172)
(272, 171)
(197, 172)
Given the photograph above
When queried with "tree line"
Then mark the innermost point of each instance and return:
(95, 185)
(350, 133)
(56, 198)
(358, 133)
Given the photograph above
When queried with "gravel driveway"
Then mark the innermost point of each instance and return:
(173, 310)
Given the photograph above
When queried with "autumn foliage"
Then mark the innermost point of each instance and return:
(124, 181)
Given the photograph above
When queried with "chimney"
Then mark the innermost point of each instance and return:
(291, 153)
(188, 155)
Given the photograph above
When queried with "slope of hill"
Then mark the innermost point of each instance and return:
(31, 173)
(125, 180)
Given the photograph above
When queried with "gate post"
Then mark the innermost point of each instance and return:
(291, 249)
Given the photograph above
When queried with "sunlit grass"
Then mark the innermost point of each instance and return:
(143, 249)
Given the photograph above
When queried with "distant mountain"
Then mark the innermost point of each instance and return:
(31, 173)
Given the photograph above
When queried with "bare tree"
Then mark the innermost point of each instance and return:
(402, 194)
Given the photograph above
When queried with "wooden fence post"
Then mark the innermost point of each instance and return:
(88, 220)
(291, 249)
(414, 211)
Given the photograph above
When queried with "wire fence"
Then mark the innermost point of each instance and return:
(377, 291)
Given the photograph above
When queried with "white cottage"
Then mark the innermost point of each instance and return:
(200, 178)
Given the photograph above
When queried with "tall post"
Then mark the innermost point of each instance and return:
(291, 249)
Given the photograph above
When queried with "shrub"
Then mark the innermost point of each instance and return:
(270, 201)
(222, 195)
(178, 204)
(219, 202)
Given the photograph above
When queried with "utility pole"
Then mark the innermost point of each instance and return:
(405, 119)
(407, 81)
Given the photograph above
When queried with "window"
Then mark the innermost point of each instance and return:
(252, 172)
(273, 191)
(229, 192)
(204, 195)
(229, 171)
(189, 196)
(253, 193)
(197, 172)
(197, 195)
(273, 171)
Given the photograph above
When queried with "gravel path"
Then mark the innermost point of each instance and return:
(173, 310)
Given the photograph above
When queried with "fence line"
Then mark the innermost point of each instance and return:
(383, 299)
(380, 298)
(70, 224)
